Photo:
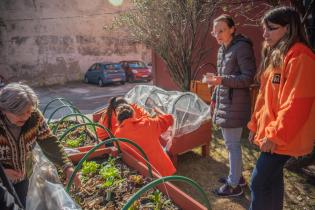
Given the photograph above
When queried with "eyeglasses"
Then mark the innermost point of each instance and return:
(269, 28)
(216, 33)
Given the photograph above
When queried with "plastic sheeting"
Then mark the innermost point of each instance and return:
(45, 189)
(188, 109)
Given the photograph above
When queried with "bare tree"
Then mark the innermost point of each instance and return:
(175, 29)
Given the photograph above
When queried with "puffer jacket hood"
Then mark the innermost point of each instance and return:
(241, 38)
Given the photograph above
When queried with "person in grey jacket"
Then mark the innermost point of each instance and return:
(231, 97)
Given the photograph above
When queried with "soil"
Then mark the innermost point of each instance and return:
(299, 189)
(93, 195)
(83, 132)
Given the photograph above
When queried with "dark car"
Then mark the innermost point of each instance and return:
(104, 73)
(136, 70)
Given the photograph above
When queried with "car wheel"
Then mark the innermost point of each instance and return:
(86, 80)
(122, 82)
(100, 83)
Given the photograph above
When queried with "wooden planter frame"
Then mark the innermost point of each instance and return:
(180, 198)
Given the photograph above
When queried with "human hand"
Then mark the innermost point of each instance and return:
(13, 175)
(158, 111)
(251, 137)
(267, 145)
(215, 80)
(77, 182)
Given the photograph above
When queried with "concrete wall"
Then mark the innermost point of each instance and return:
(46, 42)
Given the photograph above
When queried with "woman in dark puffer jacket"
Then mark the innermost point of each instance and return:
(231, 98)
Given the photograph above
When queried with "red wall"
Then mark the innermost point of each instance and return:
(161, 75)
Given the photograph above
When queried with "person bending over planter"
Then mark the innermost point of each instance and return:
(109, 119)
(22, 125)
(283, 121)
(145, 131)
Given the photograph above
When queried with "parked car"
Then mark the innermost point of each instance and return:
(104, 73)
(136, 70)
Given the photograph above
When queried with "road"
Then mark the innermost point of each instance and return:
(86, 97)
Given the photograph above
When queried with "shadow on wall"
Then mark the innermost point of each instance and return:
(62, 72)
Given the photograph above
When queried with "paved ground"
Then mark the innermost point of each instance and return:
(86, 97)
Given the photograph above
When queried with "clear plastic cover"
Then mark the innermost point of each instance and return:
(45, 189)
(188, 109)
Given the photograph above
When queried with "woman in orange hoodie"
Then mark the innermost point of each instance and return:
(282, 123)
(109, 119)
(145, 131)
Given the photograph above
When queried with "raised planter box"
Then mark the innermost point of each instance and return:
(76, 157)
(200, 137)
(202, 90)
(96, 116)
(180, 198)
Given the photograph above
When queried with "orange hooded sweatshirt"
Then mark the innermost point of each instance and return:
(102, 134)
(145, 132)
(285, 108)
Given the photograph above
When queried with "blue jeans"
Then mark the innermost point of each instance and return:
(232, 140)
(267, 185)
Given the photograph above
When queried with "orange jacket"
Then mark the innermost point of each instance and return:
(285, 109)
(145, 132)
(102, 134)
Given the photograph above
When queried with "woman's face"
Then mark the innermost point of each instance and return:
(222, 32)
(20, 119)
(273, 33)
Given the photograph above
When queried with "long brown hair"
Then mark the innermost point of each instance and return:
(113, 104)
(283, 16)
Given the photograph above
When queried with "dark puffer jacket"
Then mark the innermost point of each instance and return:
(236, 64)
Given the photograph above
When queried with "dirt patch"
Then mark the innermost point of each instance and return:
(299, 190)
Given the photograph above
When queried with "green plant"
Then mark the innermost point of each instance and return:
(156, 198)
(73, 143)
(110, 173)
(136, 179)
(89, 168)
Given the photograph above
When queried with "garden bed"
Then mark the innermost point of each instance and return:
(100, 198)
(79, 137)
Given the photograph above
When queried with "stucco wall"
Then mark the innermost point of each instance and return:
(46, 42)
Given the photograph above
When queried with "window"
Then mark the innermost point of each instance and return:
(114, 66)
(137, 64)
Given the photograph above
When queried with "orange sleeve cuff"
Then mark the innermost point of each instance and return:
(272, 135)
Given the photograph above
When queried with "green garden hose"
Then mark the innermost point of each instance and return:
(57, 99)
(74, 110)
(78, 166)
(55, 128)
(156, 182)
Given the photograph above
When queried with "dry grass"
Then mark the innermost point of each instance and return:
(299, 192)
